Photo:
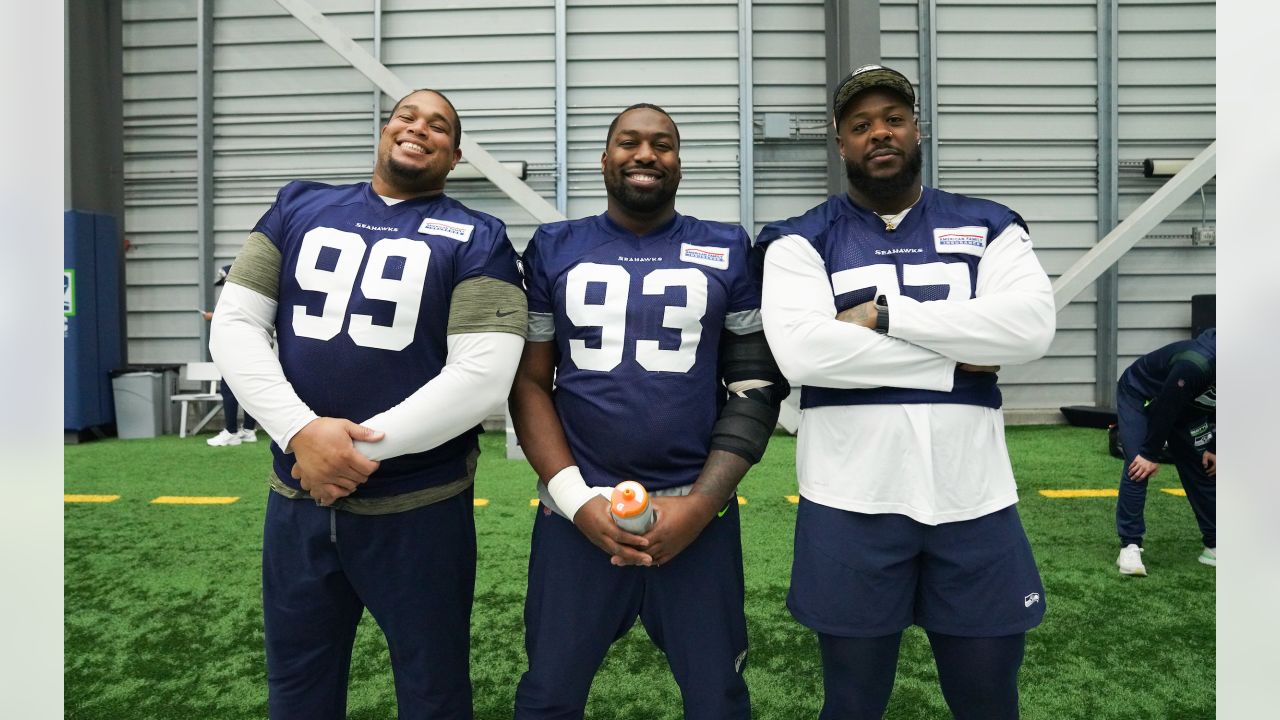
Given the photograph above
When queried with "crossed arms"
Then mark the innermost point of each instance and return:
(1011, 320)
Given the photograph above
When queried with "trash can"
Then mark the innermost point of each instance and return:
(169, 388)
(140, 401)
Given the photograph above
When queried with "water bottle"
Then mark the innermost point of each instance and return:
(629, 505)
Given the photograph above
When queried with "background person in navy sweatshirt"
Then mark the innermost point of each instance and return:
(1168, 396)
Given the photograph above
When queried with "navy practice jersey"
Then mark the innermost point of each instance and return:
(932, 255)
(1178, 382)
(364, 301)
(637, 324)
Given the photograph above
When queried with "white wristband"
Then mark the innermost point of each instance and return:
(570, 491)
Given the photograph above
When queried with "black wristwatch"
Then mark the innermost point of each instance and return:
(882, 315)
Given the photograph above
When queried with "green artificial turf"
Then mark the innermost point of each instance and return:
(163, 615)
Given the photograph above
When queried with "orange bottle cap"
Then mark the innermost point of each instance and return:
(629, 499)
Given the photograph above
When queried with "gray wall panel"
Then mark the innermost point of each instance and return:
(1166, 287)
(692, 72)
(1017, 89)
(789, 77)
(1017, 94)
(287, 106)
(1166, 110)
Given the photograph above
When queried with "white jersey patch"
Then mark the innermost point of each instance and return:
(444, 228)
(966, 240)
(707, 255)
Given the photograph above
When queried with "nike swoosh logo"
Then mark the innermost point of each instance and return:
(506, 313)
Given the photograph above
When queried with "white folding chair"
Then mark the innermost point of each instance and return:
(205, 372)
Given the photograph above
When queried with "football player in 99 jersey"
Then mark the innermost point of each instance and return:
(639, 315)
(397, 307)
(893, 306)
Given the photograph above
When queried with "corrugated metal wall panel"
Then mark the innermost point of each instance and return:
(1017, 123)
(899, 34)
(1018, 92)
(287, 106)
(681, 56)
(159, 66)
(788, 77)
(1167, 110)
(1017, 89)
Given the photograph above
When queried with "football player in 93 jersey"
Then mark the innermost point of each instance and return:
(893, 306)
(398, 308)
(648, 321)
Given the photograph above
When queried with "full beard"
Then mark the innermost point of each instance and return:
(414, 179)
(639, 201)
(883, 189)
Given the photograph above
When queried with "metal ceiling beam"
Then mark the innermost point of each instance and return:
(392, 85)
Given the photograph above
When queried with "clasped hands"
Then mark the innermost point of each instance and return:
(327, 464)
(678, 521)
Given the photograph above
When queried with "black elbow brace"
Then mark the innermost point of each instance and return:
(747, 421)
(747, 357)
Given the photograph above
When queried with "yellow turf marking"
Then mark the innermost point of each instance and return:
(193, 500)
(1079, 493)
(533, 502)
(90, 498)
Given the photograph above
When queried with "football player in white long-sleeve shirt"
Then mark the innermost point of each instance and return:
(400, 308)
(894, 306)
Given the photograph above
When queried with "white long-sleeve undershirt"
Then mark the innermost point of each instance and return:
(933, 462)
(475, 379)
(813, 348)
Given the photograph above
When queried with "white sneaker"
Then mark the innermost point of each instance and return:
(224, 438)
(1210, 556)
(247, 435)
(1130, 561)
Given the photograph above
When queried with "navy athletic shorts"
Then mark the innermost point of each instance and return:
(860, 575)
(578, 604)
(415, 573)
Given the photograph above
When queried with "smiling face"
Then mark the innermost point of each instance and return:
(417, 147)
(880, 143)
(641, 164)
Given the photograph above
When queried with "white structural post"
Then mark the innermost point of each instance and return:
(1140, 222)
(392, 85)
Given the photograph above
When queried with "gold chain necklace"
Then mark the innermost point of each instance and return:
(891, 222)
